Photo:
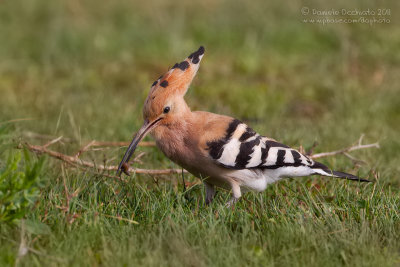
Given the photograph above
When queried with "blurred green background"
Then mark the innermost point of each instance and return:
(82, 69)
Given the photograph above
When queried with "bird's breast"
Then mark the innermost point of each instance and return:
(176, 144)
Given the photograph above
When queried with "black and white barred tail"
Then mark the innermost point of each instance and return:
(321, 169)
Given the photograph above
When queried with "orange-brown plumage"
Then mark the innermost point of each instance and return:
(220, 150)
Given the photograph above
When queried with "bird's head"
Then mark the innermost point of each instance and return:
(165, 100)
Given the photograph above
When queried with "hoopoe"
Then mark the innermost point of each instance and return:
(220, 150)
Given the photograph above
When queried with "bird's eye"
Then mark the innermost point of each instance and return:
(166, 110)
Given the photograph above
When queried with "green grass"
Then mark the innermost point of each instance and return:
(82, 70)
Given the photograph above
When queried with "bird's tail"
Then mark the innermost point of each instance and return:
(321, 169)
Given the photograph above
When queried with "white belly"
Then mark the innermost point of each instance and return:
(258, 180)
(252, 180)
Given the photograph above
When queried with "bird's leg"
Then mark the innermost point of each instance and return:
(236, 194)
(210, 192)
(185, 193)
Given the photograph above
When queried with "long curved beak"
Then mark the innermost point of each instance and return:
(147, 126)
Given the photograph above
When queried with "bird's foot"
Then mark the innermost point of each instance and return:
(231, 203)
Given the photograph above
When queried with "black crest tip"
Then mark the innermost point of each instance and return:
(201, 50)
(195, 55)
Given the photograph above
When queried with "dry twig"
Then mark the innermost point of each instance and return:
(76, 161)
(345, 151)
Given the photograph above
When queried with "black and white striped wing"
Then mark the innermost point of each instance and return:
(243, 148)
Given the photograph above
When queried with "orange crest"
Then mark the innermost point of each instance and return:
(174, 83)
